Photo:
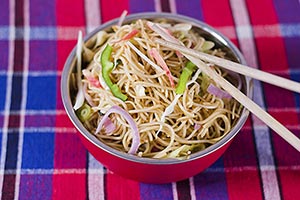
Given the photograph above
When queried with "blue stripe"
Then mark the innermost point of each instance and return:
(38, 150)
(211, 184)
(136, 6)
(153, 191)
(12, 150)
(16, 95)
(2, 91)
(296, 77)
(46, 86)
(191, 8)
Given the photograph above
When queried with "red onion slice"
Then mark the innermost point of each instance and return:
(135, 133)
(218, 92)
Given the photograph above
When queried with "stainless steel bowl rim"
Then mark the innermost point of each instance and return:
(152, 15)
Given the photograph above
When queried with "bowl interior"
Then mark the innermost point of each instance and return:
(232, 53)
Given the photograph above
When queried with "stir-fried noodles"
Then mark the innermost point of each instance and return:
(149, 100)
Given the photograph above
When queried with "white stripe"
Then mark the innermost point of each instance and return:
(262, 136)
(192, 189)
(97, 171)
(24, 94)
(157, 5)
(32, 73)
(43, 130)
(70, 33)
(174, 191)
(92, 14)
(8, 89)
(51, 129)
(38, 112)
(173, 6)
(95, 179)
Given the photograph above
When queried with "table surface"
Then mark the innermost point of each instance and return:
(41, 155)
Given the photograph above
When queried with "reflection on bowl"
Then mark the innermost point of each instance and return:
(146, 169)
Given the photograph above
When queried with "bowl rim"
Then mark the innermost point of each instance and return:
(133, 158)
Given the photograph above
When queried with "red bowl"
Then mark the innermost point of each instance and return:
(147, 169)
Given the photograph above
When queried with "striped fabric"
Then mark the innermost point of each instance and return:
(41, 157)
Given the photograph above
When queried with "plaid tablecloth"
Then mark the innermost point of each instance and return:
(41, 157)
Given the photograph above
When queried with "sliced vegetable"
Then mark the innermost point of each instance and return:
(109, 126)
(80, 96)
(168, 111)
(160, 61)
(107, 67)
(135, 133)
(84, 112)
(91, 79)
(218, 92)
(129, 35)
(183, 150)
(150, 25)
(185, 76)
(122, 18)
(207, 45)
(197, 126)
(143, 56)
(139, 90)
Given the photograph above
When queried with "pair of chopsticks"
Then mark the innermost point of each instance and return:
(198, 57)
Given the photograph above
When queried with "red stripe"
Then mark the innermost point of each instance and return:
(69, 186)
(212, 12)
(8, 189)
(70, 13)
(286, 117)
(165, 6)
(242, 153)
(113, 9)
(270, 51)
(290, 181)
(69, 154)
(118, 187)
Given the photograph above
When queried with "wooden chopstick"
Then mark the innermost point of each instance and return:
(235, 67)
(233, 91)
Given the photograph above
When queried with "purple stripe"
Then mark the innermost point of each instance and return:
(292, 45)
(45, 10)
(38, 60)
(4, 12)
(40, 120)
(191, 8)
(136, 6)
(4, 55)
(35, 187)
(153, 191)
(211, 184)
(287, 11)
